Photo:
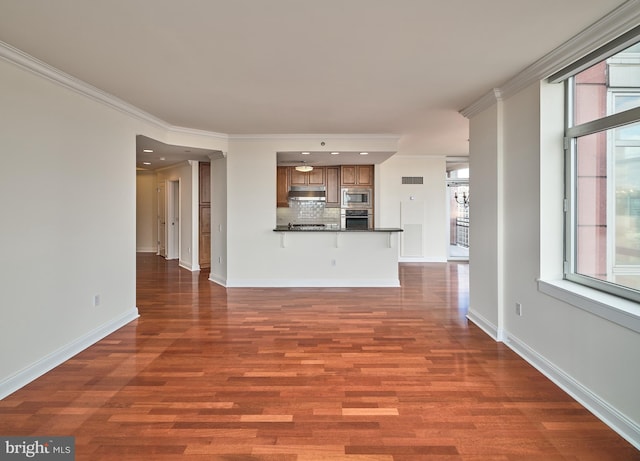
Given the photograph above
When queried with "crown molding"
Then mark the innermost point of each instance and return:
(483, 103)
(42, 69)
(419, 156)
(285, 137)
(614, 24)
(196, 132)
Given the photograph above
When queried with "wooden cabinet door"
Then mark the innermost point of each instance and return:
(282, 186)
(316, 177)
(298, 178)
(348, 175)
(364, 175)
(332, 177)
(204, 248)
(357, 175)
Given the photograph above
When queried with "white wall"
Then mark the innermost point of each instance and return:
(485, 214)
(68, 195)
(146, 215)
(429, 201)
(219, 222)
(592, 358)
(67, 189)
(254, 253)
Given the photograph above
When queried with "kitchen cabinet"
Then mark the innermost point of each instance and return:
(282, 186)
(332, 178)
(314, 177)
(357, 175)
(204, 215)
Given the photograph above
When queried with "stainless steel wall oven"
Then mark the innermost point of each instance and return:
(356, 219)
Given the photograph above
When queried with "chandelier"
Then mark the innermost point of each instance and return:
(464, 200)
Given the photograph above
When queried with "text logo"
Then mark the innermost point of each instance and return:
(37, 448)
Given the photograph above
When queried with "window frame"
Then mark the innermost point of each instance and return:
(572, 133)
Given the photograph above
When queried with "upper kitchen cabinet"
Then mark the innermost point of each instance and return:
(314, 177)
(282, 186)
(357, 175)
(332, 177)
(320, 176)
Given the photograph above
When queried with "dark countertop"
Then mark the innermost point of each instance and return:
(334, 229)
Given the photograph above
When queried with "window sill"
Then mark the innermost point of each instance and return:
(613, 308)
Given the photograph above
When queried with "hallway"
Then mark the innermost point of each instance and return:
(387, 374)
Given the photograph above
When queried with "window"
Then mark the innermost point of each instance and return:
(603, 174)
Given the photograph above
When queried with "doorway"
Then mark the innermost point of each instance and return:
(162, 219)
(458, 197)
(173, 220)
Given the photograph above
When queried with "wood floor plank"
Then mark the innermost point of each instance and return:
(305, 374)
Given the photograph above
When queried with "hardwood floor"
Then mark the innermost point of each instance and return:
(306, 374)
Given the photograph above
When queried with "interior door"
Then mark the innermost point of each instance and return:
(162, 219)
(173, 219)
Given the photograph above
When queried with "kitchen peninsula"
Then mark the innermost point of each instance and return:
(334, 257)
(326, 230)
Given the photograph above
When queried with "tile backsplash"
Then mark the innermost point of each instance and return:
(308, 213)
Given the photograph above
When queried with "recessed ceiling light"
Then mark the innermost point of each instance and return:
(364, 153)
(305, 153)
(147, 150)
(335, 153)
(162, 158)
(146, 163)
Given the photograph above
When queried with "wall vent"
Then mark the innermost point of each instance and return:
(412, 180)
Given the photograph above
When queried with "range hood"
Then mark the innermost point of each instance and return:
(307, 193)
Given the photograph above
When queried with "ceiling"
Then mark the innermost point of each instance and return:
(323, 158)
(153, 155)
(403, 67)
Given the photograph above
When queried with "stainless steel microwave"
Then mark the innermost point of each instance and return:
(357, 197)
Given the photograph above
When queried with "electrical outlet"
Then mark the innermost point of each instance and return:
(333, 262)
(519, 309)
(96, 300)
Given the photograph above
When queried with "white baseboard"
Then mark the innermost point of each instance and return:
(407, 259)
(189, 267)
(146, 250)
(485, 325)
(312, 283)
(219, 280)
(617, 421)
(52, 360)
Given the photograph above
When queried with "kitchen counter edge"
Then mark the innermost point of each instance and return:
(376, 229)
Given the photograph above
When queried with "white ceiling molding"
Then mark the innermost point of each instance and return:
(42, 69)
(483, 103)
(616, 23)
(196, 132)
(284, 137)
